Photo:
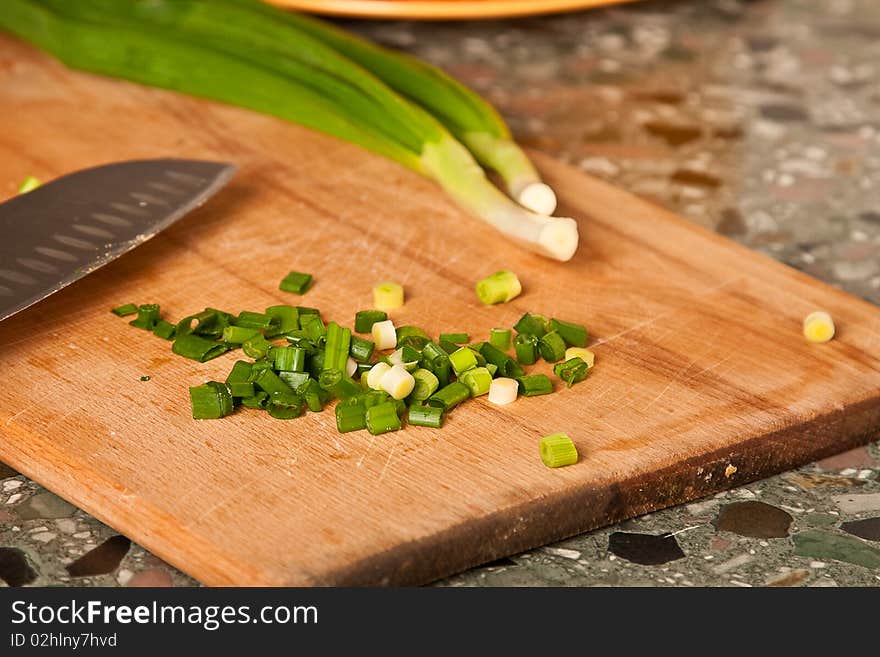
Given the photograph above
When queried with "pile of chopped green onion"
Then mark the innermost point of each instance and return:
(297, 361)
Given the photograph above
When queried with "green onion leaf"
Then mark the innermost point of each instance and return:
(260, 321)
(552, 347)
(268, 381)
(284, 405)
(147, 316)
(455, 338)
(289, 359)
(364, 320)
(382, 418)
(500, 287)
(426, 416)
(256, 347)
(427, 384)
(259, 400)
(477, 380)
(572, 371)
(558, 450)
(575, 335)
(462, 360)
(239, 380)
(534, 384)
(238, 334)
(287, 318)
(351, 418)
(165, 330)
(450, 396)
(526, 347)
(210, 401)
(125, 309)
(412, 336)
(198, 348)
(500, 338)
(532, 324)
(361, 349)
(296, 282)
(506, 365)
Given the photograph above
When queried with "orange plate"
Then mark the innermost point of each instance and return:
(440, 9)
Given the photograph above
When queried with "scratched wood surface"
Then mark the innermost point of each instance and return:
(702, 381)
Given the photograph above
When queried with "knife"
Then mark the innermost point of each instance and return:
(68, 228)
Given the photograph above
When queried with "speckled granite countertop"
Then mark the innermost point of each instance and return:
(760, 120)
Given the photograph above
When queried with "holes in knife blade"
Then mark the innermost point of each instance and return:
(5, 291)
(75, 242)
(55, 253)
(148, 198)
(17, 277)
(94, 231)
(165, 188)
(130, 209)
(186, 178)
(38, 265)
(111, 219)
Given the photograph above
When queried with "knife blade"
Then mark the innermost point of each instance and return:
(68, 228)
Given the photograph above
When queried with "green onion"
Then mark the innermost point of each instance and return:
(526, 347)
(426, 384)
(313, 394)
(256, 347)
(165, 330)
(500, 338)
(296, 282)
(203, 323)
(361, 349)
(477, 380)
(462, 360)
(412, 336)
(210, 401)
(30, 184)
(125, 309)
(455, 338)
(448, 347)
(239, 380)
(552, 347)
(388, 295)
(398, 382)
(337, 347)
(481, 360)
(147, 316)
(362, 368)
(492, 367)
(294, 379)
(425, 416)
(500, 287)
(198, 348)
(534, 384)
(364, 319)
(575, 335)
(532, 324)
(571, 371)
(503, 391)
(305, 310)
(579, 352)
(268, 381)
(238, 334)
(506, 365)
(338, 385)
(313, 326)
(284, 405)
(382, 418)
(450, 396)
(558, 450)
(287, 316)
(351, 418)
(260, 321)
(259, 400)
(384, 335)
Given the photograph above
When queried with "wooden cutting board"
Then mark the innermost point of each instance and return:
(703, 380)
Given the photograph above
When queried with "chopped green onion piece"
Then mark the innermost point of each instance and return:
(198, 348)
(285, 405)
(432, 350)
(533, 324)
(552, 347)
(506, 365)
(503, 391)
(259, 400)
(388, 295)
(239, 379)
(268, 381)
(210, 401)
(256, 347)
(361, 349)
(500, 338)
(294, 379)
(238, 334)
(305, 310)
(203, 323)
(315, 363)
(338, 384)
(296, 282)
(426, 416)
(492, 367)
(462, 360)
(165, 330)
(572, 371)
(287, 316)
(145, 378)
(363, 367)
(350, 418)
(450, 396)
(289, 359)
(526, 347)
(575, 335)
(337, 347)
(481, 359)
(412, 336)
(455, 338)
(254, 320)
(448, 347)
(426, 385)
(313, 326)
(125, 309)
(558, 450)
(500, 287)
(30, 184)
(534, 384)
(384, 335)
(398, 382)
(382, 418)
(584, 354)
(477, 380)
(313, 395)
(147, 316)
(364, 319)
